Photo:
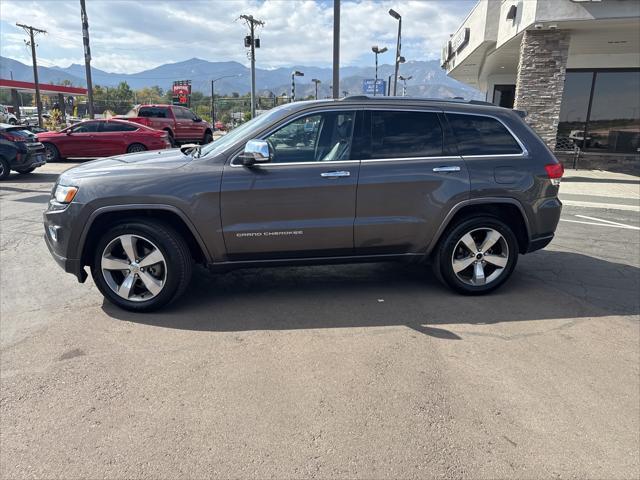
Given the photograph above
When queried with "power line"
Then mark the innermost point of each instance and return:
(32, 31)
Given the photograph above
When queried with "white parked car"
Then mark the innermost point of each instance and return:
(6, 116)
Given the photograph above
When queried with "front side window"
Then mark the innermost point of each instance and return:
(479, 135)
(85, 127)
(320, 137)
(405, 135)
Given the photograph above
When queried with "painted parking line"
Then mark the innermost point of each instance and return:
(600, 222)
(606, 206)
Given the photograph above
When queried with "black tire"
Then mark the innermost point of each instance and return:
(26, 171)
(444, 254)
(51, 151)
(208, 138)
(172, 140)
(12, 121)
(136, 147)
(173, 247)
(5, 168)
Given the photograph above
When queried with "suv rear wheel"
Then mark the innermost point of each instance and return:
(477, 255)
(141, 265)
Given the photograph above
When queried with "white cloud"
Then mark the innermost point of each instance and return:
(128, 35)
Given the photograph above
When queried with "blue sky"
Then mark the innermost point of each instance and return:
(129, 36)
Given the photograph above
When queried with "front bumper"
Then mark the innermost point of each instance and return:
(59, 239)
(69, 265)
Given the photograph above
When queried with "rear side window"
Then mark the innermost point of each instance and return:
(117, 127)
(478, 135)
(153, 112)
(405, 134)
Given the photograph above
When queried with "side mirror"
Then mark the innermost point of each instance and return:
(197, 119)
(69, 132)
(256, 151)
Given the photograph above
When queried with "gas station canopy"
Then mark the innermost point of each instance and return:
(45, 88)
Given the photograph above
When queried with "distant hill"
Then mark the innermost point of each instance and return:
(429, 80)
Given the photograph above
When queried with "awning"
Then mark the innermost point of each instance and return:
(45, 88)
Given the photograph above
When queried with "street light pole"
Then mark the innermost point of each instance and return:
(377, 51)
(336, 48)
(316, 81)
(398, 17)
(213, 110)
(294, 74)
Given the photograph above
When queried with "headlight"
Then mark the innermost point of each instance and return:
(64, 194)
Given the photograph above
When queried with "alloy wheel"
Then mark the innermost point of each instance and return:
(134, 268)
(49, 153)
(480, 257)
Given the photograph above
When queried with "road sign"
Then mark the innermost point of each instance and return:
(369, 86)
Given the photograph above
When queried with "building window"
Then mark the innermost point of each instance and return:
(504, 95)
(601, 111)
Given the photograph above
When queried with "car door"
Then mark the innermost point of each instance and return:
(113, 138)
(410, 181)
(80, 141)
(301, 203)
(183, 123)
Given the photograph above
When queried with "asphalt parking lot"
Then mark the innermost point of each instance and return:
(360, 371)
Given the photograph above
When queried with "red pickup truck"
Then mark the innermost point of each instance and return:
(182, 125)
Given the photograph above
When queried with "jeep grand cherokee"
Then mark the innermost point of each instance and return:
(461, 185)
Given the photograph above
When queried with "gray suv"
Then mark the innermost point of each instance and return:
(462, 185)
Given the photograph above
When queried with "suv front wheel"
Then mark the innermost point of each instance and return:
(141, 265)
(477, 255)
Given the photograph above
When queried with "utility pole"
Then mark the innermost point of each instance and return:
(252, 22)
(87, 56)
(30, 30)
(336, 48)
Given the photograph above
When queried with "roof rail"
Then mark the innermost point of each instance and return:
(382, 98)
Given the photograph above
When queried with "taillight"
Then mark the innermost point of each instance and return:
(555, 172)
(13, 138)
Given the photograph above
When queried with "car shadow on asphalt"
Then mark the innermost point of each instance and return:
(546, 285)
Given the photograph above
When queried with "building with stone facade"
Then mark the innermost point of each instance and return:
(572, 65)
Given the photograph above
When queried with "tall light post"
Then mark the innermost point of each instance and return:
(294, 74)
(213, 109)
(316, 81)
(398, 17)
(404, 85)
(377, 51)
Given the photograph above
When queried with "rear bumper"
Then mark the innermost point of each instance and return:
(27, 160)
(539, 243)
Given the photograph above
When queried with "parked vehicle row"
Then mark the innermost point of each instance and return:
(463, 186)
(20, 150)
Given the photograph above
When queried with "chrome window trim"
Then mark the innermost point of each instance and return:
(293, 119)
(523, 153)
(409, 159)
(290, 164)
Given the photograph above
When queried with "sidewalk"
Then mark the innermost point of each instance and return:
(600, 189)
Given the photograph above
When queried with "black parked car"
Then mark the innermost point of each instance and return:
(464, 186)
(20, 150)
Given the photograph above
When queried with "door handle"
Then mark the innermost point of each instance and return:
(447, 169)
(336, 174)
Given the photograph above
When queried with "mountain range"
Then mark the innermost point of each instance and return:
(428, 79)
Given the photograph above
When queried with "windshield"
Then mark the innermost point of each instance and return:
(230, 138)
